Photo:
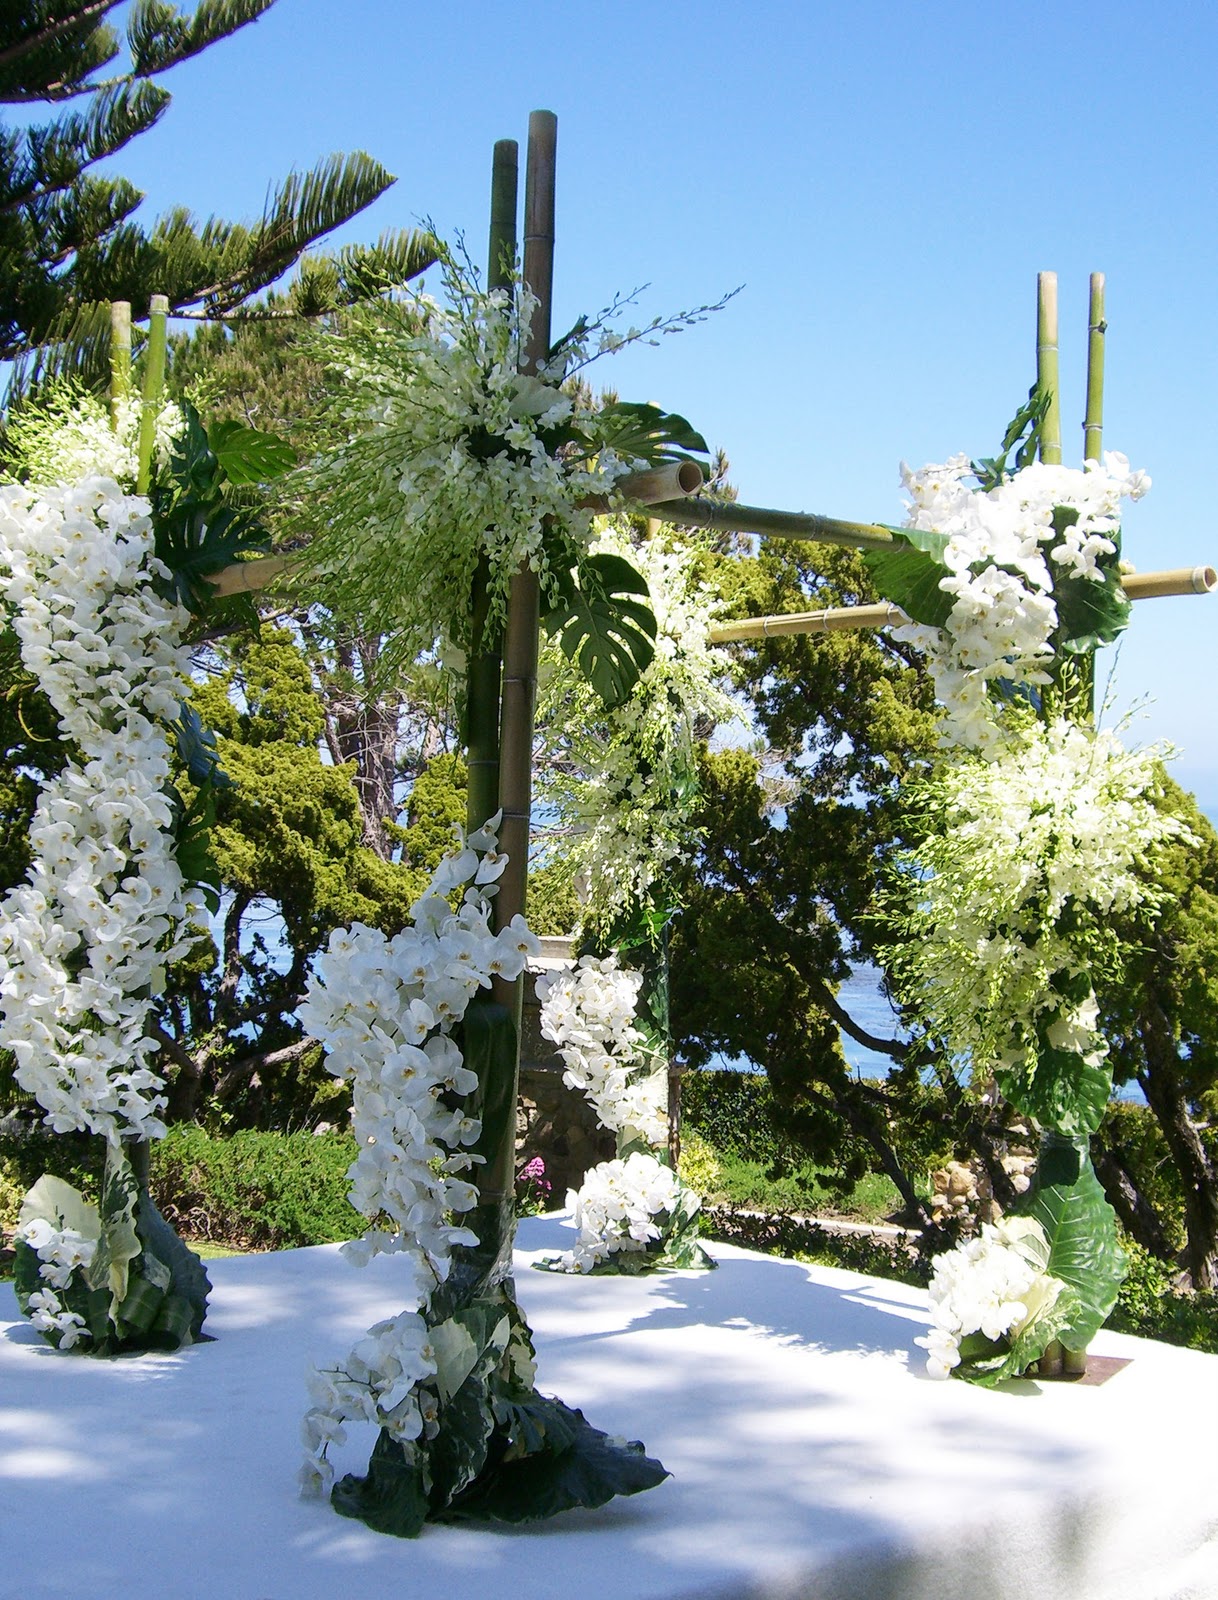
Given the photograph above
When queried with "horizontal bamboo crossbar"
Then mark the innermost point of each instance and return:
(639, 488)
(726, 516)
(845, 619)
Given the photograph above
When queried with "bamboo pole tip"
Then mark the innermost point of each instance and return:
(1205, 580)
(158, 303)
(689, 477)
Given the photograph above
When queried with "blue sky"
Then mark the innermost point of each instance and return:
(884, 179)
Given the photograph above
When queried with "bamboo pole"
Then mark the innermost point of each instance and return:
(496, 1182)
(729, 517)
(638, 488)
(154, 384)
(120, 357)
(1047, 366)
(846, 619)
(1093, 424)
(486, 663)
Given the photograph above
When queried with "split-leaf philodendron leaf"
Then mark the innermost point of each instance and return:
(606, 626)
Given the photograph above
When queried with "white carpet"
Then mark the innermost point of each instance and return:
(810, 1454)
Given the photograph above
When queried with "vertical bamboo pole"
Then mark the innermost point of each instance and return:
(154, 384)
(1093, 426)
(120, 357)
(485, 663)
(520, 637)
(1047, 366)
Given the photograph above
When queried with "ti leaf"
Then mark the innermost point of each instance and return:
(606, 626)
(392, 1498)
(119, 1243)
(577, 1465)
(1023, 430)
(640, 432)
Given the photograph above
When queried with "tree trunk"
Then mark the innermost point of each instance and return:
(1160, 1083)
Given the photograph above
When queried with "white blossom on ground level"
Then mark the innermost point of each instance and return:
(621, 1207)
(85, 940)
(1004, 557)
(588, 1012)
(385, 1010)
(994, 1284)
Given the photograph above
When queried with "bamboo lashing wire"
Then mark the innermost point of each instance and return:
(846, 619)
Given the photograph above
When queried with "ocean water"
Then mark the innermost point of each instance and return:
(862, 995)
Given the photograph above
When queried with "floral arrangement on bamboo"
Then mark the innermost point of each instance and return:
(448, 1382)
(1032, 833)
(455, 462)
(92, 580)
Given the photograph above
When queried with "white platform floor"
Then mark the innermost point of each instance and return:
(811, 1456)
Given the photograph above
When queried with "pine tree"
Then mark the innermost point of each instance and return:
(68, 244)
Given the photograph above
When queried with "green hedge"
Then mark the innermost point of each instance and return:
(737, 1114)
(249, 1190)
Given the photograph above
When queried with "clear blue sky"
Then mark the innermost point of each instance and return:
(886, 179)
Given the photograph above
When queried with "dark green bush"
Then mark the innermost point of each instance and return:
(736, 1112)
(254, 1190)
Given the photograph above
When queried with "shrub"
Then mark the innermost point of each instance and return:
(254, 1190)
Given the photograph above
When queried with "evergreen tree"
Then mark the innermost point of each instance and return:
(68, 244)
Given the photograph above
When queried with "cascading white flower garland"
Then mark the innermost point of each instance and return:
(385, 1010)
(84, 941)
(1005, 547)
(624, 1206)
(588, 1012)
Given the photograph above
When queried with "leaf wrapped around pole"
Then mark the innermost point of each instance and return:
(120, 358)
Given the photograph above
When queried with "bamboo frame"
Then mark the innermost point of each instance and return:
(154, 385)
(727, 516)
(484, 683)
(120, 357)
(1093, 422)
(847, 619)
(1047, 377)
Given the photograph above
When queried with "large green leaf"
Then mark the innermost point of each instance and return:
(640, 432)
(186, 1304)
(577, 1465)
(392, 1497)
(119, 1243)
(606, 626)
(247, 455)
(1084, 1252)
(1090, 614)
(909, 573)
(986, 1362)
(1063, 1093)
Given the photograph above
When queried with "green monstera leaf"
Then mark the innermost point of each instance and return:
(605, 625)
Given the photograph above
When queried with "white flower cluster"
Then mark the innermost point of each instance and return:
(71, 437)
(445, 420)
(628, 809)
(589, 1012)
(993, 1284)
(1004, 557)
(85, 940)
(621, 1208)
(1061, 819)
(385, 1010)
(61, 1252)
